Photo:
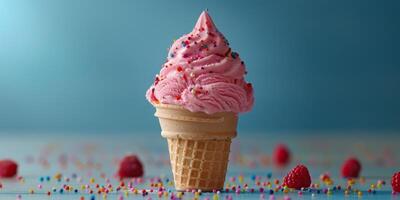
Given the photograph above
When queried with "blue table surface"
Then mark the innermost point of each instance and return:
(80, 157)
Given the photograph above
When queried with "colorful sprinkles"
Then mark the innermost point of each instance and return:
(266, 185)
(93, 179)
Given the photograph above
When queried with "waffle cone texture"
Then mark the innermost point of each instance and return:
(198, 144)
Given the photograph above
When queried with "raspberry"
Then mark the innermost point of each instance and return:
(130, 166)
(351, 168)
(298, 178)
(8, 168)
(396, 182)
(281, 156)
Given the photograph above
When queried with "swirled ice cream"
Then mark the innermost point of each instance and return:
(203, 74)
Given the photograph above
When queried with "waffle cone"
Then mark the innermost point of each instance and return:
(199, 145)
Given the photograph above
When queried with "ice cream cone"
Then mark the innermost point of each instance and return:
(198, 94)
(199, 145)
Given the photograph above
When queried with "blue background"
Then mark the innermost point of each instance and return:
(85, 65)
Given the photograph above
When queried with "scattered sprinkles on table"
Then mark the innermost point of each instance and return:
(88, 170)
(267, 185)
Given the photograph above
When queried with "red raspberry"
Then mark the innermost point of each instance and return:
(281, 156)
(8, 168)
(298, 178)
(351, 168)
(130, 166)
(396, 182)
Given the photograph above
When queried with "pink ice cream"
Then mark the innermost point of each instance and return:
(203, 74)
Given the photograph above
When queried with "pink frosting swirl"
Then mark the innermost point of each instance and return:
(203, 74)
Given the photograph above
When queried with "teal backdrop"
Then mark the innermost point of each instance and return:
(78, 65)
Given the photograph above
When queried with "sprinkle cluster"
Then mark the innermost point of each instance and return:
(267, 186)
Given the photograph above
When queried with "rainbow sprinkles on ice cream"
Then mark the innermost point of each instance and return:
(203, 74)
